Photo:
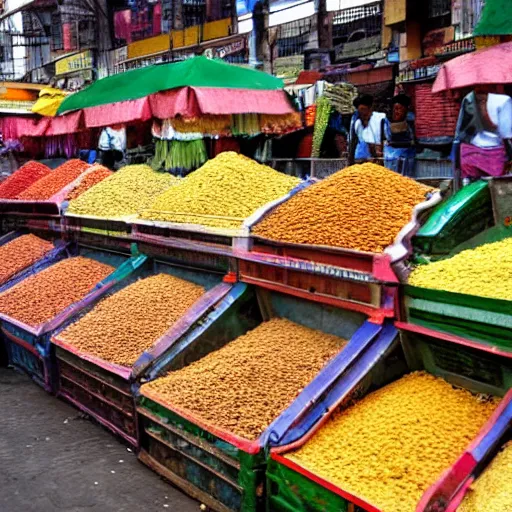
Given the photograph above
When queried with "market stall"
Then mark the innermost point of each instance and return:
(32, 309)
(197, 106)
(35, 196)
(463, 296)
(340, 238)
(103, 354)
(206, 420)
(401, 432)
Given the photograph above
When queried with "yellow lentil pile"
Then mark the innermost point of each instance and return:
(245, 385)
(125, 193)
(121, 327)
(492, 491)
(42, 296)
(363, 207)
(229, 188)
(485, 271)
(395, 443)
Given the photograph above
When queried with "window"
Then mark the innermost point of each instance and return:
(194, 12)
(439, 8)
(357, 23)
(293, 37)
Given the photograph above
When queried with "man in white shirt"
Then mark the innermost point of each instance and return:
(368, 127)
(485, 133)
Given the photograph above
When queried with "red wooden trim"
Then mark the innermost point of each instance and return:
(325, 483)
(250, 447)
(27, 346)
(452, 338)
(121, 371)
(457, 500)
(369, 311)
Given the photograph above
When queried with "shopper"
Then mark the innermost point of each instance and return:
(484, 131)
(367, 128)
(400, 148)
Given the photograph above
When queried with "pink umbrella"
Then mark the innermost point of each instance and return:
(491, 66)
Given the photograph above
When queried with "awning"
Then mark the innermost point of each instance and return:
(62, 125)
(195, 72)
(14, 128)
(117, 113)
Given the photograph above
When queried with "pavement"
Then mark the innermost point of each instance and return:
(53, 458)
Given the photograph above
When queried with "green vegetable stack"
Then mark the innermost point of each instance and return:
(323, 113)
(179, 156)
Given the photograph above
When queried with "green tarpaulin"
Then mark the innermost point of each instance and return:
(496, 19)
(195, 72)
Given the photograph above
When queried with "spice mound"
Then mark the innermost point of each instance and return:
(245, 385)
(48, 186)
(42, 296)
(23, 178)
(96, 174)
(485, 271)
(121, 327)
(20, 253)
(222, 193)
(492, 492)
(125, 193)
(363, 208)
(390, 447)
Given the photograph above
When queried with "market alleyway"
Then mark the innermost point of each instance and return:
(52, 459)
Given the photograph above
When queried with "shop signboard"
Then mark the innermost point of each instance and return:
(74, 63)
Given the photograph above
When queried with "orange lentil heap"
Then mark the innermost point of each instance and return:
(54, 182)
(96, 174)
(121, 327)
(245, 385)
(391, 446)
(363, 207)
(42, 296)
(20, 253)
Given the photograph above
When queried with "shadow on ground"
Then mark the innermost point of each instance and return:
(53, 459)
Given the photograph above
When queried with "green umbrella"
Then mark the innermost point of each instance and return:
(195, 72)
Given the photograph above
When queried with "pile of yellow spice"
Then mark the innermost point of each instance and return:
(125, 193)
(485, 271)
(390, 447)
(492, 492)
(221, 194)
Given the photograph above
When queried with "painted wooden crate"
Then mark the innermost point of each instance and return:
(29, 347)
(291, 487)
(463, 319)
(225, 471)
(105, 390)
(200, 244)
(333, 262)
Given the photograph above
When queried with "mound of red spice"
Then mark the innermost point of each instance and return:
(22, 179)
(48, 186)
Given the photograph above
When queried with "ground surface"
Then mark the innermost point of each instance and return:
(54, 459)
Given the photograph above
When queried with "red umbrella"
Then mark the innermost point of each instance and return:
(490, 66)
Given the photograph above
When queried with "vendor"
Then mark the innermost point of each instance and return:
(367, 128)
(399, 149)
(112, 146)
(484, 131)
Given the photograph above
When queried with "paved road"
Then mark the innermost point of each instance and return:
(52, 459)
